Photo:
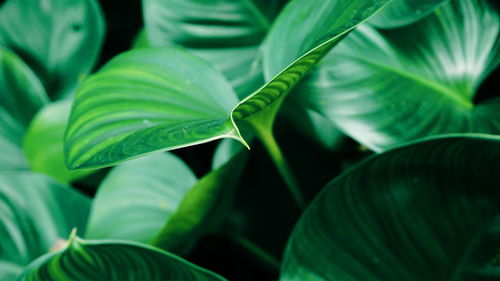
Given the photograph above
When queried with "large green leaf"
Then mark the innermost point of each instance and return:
(144, 101)
(226, 33)
(426, 211)
(402, 12)
(302, 34)
(60, 39)
(43, 143)
(159, 99)
(408, 83)
(21, 95)
(136, 198)
(35, 213)
(108, 260)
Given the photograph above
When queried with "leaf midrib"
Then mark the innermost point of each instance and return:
(421, 80)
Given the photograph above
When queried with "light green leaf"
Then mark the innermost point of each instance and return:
(426, 211)
(109, 260)
(408, 83)
(144, 101)
(226, 33)
(403, 12)
(60, 39)
(182, 100)
(43, 143)
(136, 198)
(35, 213)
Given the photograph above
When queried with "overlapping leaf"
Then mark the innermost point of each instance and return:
(426, 211)
(35, 213)
(21, 95)
(150, 100)
(225, 33)
(43, 143)
(109, 260)
(402, 12)
(136, 199)
(60, 40)
(420, 80)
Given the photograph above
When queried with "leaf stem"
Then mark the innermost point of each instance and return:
(256, 250)
(267, 139)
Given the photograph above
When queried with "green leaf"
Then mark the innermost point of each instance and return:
(426, 211)
(43, 143)
(21, 95)
(294, 45)
(35, 212)
(403, 12)
(136, 198)
(204, 208)
(108, 260)
(60, 40)
(183, 101)
(226, 33)
(403, 84)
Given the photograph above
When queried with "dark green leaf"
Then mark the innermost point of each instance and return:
(420, 80)
(60, 39)
(114, 261)
(426, 211)
(145, 101)
(402, 12)
(43, 143)
(35, 213)
(136, 198)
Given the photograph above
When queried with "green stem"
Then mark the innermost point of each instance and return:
(267, 139)
(257, 251)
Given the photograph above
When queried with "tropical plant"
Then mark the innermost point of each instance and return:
(377, 116)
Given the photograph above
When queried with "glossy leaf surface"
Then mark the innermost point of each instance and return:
(60, 39)
(226, 33)
(144, 101)
(420, 80)
(43, 143)
(35, 212)
(136, 198)
(182, 100)
(403, 12)
(90, 261)
(426, 211)
(302, 34)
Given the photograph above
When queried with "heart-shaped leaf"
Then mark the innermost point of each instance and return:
(43, 143)
(420, 80)
(109, 260)
(60, 39)
(183, 101)
(226, 33)
(426, 211)
(136, 198)
(144, 101)
(35, 213)
(402, 12)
